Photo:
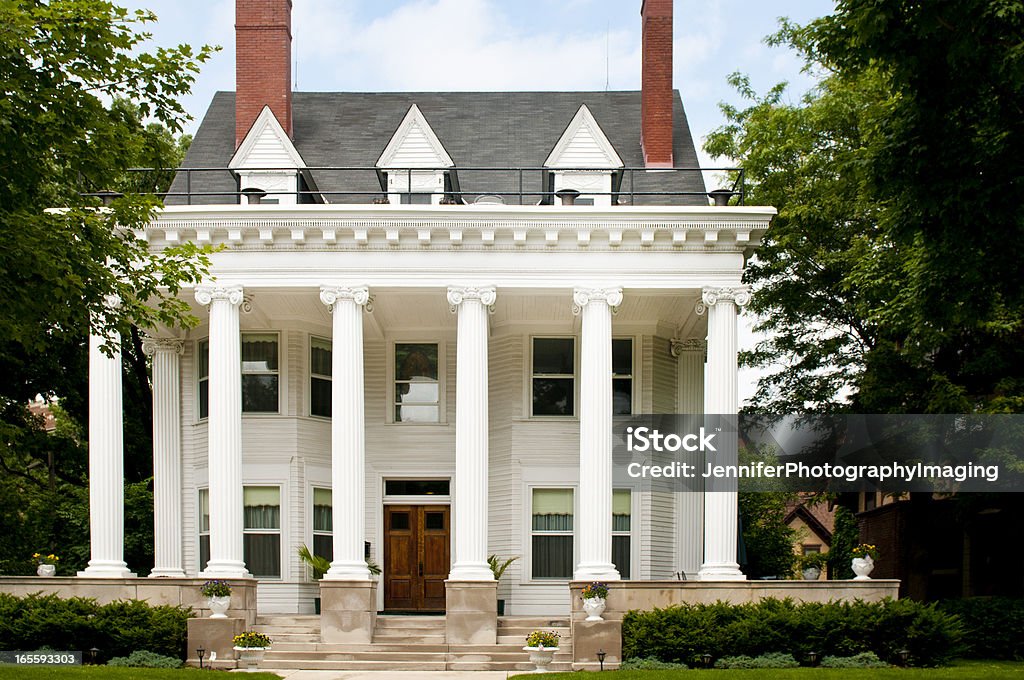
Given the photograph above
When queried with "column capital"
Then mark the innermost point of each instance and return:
(486, 295)
(206, 293)
(712, 295)
(581, 297)
(677, 346)
(151, 345)
(331, 294)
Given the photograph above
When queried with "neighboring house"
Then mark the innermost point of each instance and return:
(813, 523)
(427, 310)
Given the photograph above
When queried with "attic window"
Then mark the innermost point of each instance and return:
(415, 167)
(582, 161)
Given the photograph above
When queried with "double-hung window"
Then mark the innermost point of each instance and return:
(203, 370)
(260, 374)
(553, 382)
(417, 389)
(262, 534)
(551, 528)
(622, 376)
(320, 377)
(621, 531)
(204, 528)
(323, 524)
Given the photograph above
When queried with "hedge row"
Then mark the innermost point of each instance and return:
(683, 633)
(116, 629)
(993, 626)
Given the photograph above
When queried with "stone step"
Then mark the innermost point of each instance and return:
(409, 639)
(319, 665)
(376, 647)
(288, 630)
(390, 621)
(278, 638)
(288, 620)
(533, 621)
(524, 665)
(273, 656)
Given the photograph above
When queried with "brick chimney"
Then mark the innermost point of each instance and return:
(656, 83)
(263, 63)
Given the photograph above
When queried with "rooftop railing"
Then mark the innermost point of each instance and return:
(461, 186)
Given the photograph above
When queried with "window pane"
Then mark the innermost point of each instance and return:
(414, 361)
(204, 510)
(204, 399)
(262, 554)
(322, 518)
(259, 393)
(622, 356)
(320, 397)
(319, 356)
(399, 521)
(553, 397)
(417, 487)
(553, 356)
(259, 352)
(552, 556)
(204, 551)
(433, 520)
(417, 414)
(621, 555)
(203, 359)
(622, 396)
(421, 391)
(262, 507)
(323, 546)
(552, 510)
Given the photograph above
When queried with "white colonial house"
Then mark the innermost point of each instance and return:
(424, 311)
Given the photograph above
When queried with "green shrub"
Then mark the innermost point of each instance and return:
(145, 659)
(993, 627)
(862, 660)
(774, 660)
(682, 633)
(117, 628)
(649, 664)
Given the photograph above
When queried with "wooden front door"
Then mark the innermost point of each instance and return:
(417, 556)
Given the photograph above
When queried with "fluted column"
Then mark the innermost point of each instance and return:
(689, 354)
(595, 516)
(224, 431)
(106, 461)
(722, 398)
(348, 445)
(471, 434)
(167, 554)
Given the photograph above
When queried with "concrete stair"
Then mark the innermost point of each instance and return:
(407, 643)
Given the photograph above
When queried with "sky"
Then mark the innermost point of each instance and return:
(486, 45)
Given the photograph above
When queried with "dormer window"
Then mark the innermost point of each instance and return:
(414, 164)
(583, 164)
(267, 165)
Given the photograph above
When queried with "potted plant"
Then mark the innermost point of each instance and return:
(46, 565)
(595, 595)
(498, 567)
(321, 565)
(218, 597)
(542, 645)
(251, 646)
(811, 564)
(864, 556)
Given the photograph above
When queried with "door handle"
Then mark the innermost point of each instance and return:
(421, 569)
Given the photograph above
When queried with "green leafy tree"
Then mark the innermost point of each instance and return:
(767, 538)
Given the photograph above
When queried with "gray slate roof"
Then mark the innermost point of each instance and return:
(478, 129)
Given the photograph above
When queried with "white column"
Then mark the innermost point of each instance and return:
(224, 432)
(595, 502)
(471, 433)
(106, 461)
(348, 445)
(689, 354)
(167, 554)
(722, 398)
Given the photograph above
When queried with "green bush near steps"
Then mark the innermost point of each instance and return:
(994, 626)
(116, 628)
(683, 633)
(145, 659)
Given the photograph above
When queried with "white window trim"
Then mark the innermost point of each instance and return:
(528, 368)
(282, 378)
(442, 380)
(527, 571)
(280, 532)
(311, 375)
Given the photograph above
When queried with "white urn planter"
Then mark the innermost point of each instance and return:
(862, 567)
(541, 657)
(250, 657)
(811, 573)
(594, 607)
(219, 607)
(46, 570)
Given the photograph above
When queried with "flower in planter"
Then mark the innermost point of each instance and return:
(45, 559)
(250, 639)
(865, 550)
(595, 589)
(542, 638)
(215, 588)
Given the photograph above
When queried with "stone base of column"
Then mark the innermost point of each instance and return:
(721, 572)
(348, 611)
(590, 637)
(167, 573)
(224, 569)
(596, 572)
(106, 569)
(216, 637)
(471, 616)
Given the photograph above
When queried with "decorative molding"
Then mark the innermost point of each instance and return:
(584, 121)
(265, 122)
(206, 293)
(414, 119)
(677, 346)
(581, 297)
(360, 295)
(738, 295)
(459, 294)
(247, 299)
(151, 345)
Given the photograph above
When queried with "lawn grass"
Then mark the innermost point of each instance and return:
(961, 670)
(11, 672)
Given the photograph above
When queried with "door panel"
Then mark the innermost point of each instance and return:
(417, 556)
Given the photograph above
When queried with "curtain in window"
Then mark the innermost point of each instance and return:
(552, 556)
(259, 352)
(263, 555)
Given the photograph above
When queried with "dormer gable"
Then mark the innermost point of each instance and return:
(267, 161)
(582, 163)
(414, 145)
